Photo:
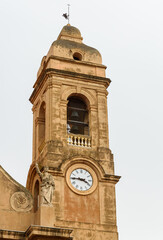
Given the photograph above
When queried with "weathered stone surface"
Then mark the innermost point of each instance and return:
(70, 69)
(16, 203)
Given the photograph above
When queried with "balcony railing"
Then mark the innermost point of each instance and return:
(79, 140)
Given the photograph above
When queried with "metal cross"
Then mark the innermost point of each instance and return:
(67, 15)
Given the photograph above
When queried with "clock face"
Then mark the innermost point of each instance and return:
(81, 179)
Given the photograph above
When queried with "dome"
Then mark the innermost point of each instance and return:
(69, 45)
(70, 32)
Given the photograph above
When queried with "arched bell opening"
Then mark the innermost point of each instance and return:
(78, 121)
(77, 116)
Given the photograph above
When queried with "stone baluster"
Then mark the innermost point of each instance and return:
(78, 141)
(89, 142)
(85, 142)
(75, 142)
(71, 141)
(82, 143)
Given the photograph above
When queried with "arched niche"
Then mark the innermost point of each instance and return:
(36, 195)
(41, 125)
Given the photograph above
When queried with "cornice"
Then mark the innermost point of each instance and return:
(73, 75)
(11, 234)
(111, 178)
(33, 231)
(75, 61)
(50, 232)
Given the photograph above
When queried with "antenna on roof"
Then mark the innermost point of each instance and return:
(67, 15)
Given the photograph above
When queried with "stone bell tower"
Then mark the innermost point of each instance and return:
(70, 191)
(70, 137)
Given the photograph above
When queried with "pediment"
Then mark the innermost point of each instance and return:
(14, 196)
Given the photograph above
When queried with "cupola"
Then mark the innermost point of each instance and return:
(69, 48)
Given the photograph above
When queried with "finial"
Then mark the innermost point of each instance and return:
(67, 15)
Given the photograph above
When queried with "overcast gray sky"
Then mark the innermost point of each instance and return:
(129, 35)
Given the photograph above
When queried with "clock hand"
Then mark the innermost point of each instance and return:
(80, 179)
(83, 180)
(87, 182)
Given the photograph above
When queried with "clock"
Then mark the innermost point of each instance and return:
(81, 179)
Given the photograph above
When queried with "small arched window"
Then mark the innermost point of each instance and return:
(77, 116)
(41, 132)
(36, 196)
(77, 56)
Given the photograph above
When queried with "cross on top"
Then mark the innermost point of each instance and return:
(67, 15)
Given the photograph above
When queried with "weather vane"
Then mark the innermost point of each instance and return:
(67, 15)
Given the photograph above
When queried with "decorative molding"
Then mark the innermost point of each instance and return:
(39, 120)
(47, 232)
(21, 202)
(57, 72)
(33, 232)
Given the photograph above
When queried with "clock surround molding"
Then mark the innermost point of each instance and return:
(87, 168)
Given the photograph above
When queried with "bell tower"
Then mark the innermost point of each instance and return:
(70, 139)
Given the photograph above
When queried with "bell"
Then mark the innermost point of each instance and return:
(74, 114)
(74, 129)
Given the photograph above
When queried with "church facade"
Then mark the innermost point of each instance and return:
(70, 190)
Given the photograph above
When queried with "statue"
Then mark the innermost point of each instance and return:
(47, 185)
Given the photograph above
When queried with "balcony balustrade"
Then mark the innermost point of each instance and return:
(79, 140)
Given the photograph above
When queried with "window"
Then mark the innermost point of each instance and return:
(41, 132)
(77, 56)
(77, 116)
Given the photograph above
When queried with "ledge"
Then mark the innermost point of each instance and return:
(35, 232)
(9, 234)
(84, 77)
(111, 178)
